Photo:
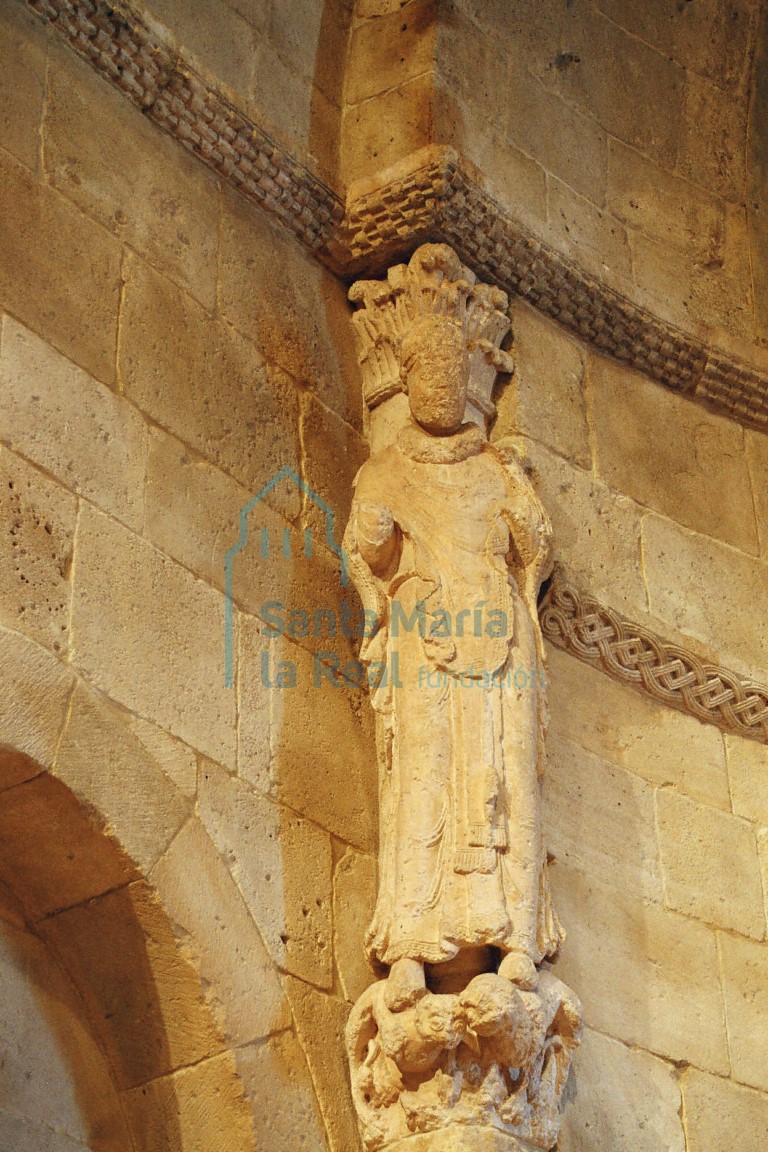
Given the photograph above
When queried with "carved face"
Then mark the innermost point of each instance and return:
(436, 374)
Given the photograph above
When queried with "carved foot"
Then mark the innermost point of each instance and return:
(520, 970)
(405, 985)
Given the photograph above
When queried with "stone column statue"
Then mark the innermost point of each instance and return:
(468, 1038)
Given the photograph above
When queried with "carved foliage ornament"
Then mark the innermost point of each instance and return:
(448, 544)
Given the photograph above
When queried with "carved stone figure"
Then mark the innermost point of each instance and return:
(448, 545)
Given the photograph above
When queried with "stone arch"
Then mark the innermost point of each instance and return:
(85, 815)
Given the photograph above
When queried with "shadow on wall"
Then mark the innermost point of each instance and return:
(89, 937)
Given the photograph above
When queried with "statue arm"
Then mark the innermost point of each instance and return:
(529, 522)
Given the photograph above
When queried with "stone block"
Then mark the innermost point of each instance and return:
(354, 897)
(205, 383)
(282, 101)
(670, 210)
(296, 32)
(23, 49)
(130, 175)
(176, 760)
(139, 991)
(391, 49)
(714, 158)
(599, 820)
(291, 1116)
(333, 453)
(107, 767)
(544, 398)
(721, 1115)
(219, 39)
(644, 975)
(748, 777)
(592, 237)
(295, 311)
(745, 989)
(152, 636)
(206, 908)
(697, 472)
(757, 457)
(700, 586)
(637, 733)
(381, 131)
(710, 864)
(29, 1136)
(320, 1022)
(77, 309)
(38, 527)
(282, 865)
(621, 1099)
(196, 1108)
(526, 35)
(33, 706)
(53, 854)
(596, 531)
(101, 455)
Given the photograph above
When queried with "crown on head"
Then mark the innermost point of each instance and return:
(433, 282)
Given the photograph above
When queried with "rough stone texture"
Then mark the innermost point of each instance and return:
(745, 990)
(748, 778)
(127, 174)
(716, 1109)
(292, 1120)
(599, 820)
(22, 88)
(697, 472)
(204, 383)
(77, 312)
(757, 458)
(162, 668)
(102, 761)
(545, 395)
(176, 760)
(590, 235)
(220, 40)
(645, 976)
(282, 865)
(700, 586)
(33, 703)
(354, 889)
(242, 986)
(38, 527)
(620, 1099)
(710, 864)
(101, 455)
(636, 733)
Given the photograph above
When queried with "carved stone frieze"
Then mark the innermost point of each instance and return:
(635, 656)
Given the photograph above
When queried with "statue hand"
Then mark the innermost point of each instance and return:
(375, 522)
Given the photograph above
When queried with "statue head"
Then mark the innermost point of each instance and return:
(435, 373)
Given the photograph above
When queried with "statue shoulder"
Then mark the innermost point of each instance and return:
(376, 468)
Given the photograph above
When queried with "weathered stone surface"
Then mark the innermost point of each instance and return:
(140, 993)
(106, 766)
(714, 158)
(130, 176)
(544, 398)
(196, 1108)
(596, 531)
(22, 83)
(402, 44)
(745, 989)
(33, 703)
(653, 741)
(38, 527)
(294, 310)
(204, 383)
(748, 778)
(208, 912)
(757, 457)
(720, 1114)
(177, 760)
(620, 1099)
(28, 1136)
(218, 38)
(320, 1022)
(645, 976)
(710, 864)
(599, 819)
(53, 1069)
(697, 471)
(152, 636)
(354, 891)
(291, 1117)
(101, 454)
(77, 309)
(333, 453)
(53, 854)
(590, 236)
(282, 865)
(700, 586)
(379, 132)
